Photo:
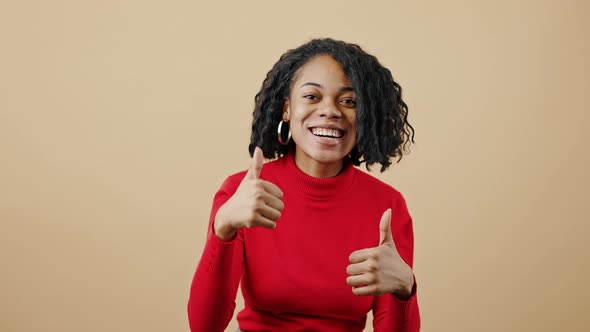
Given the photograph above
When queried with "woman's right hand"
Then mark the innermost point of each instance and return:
(256, 202)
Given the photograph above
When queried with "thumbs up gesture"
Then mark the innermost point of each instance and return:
(380, 270)
(255, 203)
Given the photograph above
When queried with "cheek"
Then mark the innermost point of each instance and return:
(299, 116)
(353, 128)
(352, 121)
(296, 124)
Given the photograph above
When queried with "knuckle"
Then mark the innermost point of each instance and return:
(257, 206)
(377, 290)
(372, 265)
(251, 217)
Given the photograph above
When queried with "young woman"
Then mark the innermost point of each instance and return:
(315, 242)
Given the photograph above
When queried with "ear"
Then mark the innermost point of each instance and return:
(286, 110)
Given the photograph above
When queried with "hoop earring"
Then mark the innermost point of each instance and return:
(281, 136)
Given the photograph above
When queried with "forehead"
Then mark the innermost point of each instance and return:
(324, 70)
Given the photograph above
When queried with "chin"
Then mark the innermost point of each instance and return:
(327, 156)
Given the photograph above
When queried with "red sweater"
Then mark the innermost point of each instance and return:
(293, 277)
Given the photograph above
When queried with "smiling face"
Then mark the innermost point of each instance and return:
(321, 111)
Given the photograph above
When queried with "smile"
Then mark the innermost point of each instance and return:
(327, 132)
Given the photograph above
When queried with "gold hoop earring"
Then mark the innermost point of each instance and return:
(280, 134)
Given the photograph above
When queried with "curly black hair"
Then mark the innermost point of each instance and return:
(383, 130)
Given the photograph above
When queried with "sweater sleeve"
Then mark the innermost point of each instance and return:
(213, 291)
(390, 313)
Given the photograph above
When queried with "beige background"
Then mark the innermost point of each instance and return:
(120, 119)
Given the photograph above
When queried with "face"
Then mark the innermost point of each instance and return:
(321, 111)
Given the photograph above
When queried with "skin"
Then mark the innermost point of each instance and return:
(380, 270)
(321, 97)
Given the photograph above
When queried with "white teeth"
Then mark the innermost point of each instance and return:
(326, 132)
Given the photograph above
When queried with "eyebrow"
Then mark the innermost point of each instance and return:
(342, 89)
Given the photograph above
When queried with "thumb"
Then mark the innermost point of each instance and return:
(385, 228)
(256, 165)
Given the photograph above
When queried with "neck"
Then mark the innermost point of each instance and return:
(318, 169)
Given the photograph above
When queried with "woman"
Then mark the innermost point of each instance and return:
(315, 242)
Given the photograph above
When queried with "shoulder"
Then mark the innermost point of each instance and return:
(375, 185)
(234, 179)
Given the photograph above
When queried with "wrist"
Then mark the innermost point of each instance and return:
(404, 292)
(222, 230)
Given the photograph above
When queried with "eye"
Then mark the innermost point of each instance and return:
(311, 98)
(348, 102)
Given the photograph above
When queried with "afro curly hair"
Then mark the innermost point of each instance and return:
(383, 130)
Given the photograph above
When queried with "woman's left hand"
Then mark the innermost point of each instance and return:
(380, 270)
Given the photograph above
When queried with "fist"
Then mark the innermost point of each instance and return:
(380, 270)
(255, 203)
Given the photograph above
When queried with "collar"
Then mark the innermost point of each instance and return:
(292, 178)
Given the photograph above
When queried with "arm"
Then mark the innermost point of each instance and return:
(390, 312)
(243, 201)
(213, 291)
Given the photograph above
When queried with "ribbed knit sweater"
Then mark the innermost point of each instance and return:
(293, 277)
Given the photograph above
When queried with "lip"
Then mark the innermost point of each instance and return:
(328, 126)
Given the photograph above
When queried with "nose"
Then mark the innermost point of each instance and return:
(329, 110)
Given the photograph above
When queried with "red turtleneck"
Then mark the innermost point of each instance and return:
(293, 277)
